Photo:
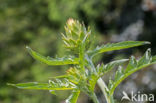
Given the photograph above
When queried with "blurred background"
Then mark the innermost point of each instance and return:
(39, 23)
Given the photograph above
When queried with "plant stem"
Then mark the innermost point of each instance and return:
(103, 88)
(111, 99)
(101, 83)
(94, 98)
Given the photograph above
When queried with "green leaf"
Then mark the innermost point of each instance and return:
(73, 97)
(110, 85)
(92, 79)
(116, 46)
(62, 83)
(146, 59)
(119, 73)
(32, 85)
(133, 66)
(74, 75)
(58, 85)
(52, 61)
(101, 70)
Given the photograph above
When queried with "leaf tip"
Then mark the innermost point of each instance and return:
(28, 49)
(10, 84)
(146, 42)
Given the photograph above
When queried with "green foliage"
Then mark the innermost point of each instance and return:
(58, 85)
(102, 69)
(52, 61)
(133, 66)
(73, 97)
(83, 75)
(117, 46)
(36, 24)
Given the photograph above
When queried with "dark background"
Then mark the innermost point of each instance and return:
(39, 23)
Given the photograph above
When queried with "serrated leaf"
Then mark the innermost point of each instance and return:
(73, 97)
(52, 61)
(119, 73)
(110, 83)
(133, 66)
(117, 46)
(52, 85)
(39, 86)
(92, 79)
(70, 77)
(146, 58)
(31, 85)
(101, 70)
(75, 75)
(61, 83)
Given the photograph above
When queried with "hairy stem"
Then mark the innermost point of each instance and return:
(103, 88)
(101, 83)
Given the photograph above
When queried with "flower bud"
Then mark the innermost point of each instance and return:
(75, 34)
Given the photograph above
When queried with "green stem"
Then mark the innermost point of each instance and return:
(101, 84)
(94, 98)
(110, 99)
(103, 88)
(125, 76)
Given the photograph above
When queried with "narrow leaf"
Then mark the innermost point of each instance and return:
(52, 61)
(32, 85)
(101, 70)
(133, 66)
(146, 58)
(92, 79)
(61, 83)
(117, 46)
(110, 85)
(119, 73)
(44, 86)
